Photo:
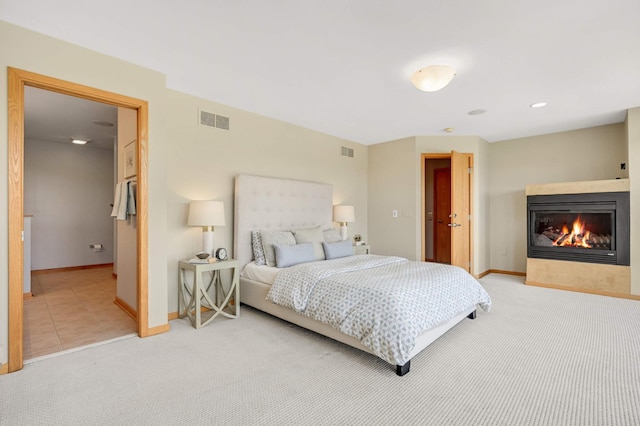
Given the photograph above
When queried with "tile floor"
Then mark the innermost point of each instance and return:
(70, 309)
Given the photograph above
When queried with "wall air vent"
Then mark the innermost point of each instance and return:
(222, 122)
(346, 152)
(214, 120)
(207, 119)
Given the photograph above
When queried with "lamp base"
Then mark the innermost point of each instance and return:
(207, 242)
(343, 231)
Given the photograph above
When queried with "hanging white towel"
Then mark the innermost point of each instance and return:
(122, 204)
(116, 200)
(131, 199)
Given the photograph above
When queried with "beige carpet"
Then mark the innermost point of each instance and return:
(540, 357)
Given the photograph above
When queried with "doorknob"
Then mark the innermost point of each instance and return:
(453, 225)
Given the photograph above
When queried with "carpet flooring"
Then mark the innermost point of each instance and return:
(540, 357)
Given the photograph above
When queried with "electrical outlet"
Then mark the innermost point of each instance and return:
(394, 213)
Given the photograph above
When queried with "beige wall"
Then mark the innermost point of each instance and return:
(632, 129)
(395, 183)
(392, 186)
(205, 160)
(579, 155)
(126, 238)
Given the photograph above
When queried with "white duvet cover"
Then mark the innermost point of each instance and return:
(383, 301)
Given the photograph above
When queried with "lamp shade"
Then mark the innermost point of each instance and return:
(433, 78)
(342, 213)
(206, 213)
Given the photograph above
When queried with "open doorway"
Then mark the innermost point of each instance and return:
(17, 81)
(447, 227)
(70, 167)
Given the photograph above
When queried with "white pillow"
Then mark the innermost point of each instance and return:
(338, 249)
(269, 238)
(311, 235)
(332, 235)
(292, 255)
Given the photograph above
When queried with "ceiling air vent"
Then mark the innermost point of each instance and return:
(214, 120)
(347, 152)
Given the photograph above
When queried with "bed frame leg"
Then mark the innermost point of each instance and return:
(401, 370)
(472, 315)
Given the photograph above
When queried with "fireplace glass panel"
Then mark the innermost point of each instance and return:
(588, 230)
(584, 227)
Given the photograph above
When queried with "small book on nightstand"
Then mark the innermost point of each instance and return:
(202, 261)
(360, 243)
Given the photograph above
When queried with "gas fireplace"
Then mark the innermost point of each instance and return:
(591, 227)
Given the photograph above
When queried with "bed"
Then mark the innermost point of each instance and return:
(273, 206)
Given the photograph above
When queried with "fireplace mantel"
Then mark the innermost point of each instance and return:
(610, 280)
(613, 185)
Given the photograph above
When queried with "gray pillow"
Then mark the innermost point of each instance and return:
(311, 235)
(289, 255)
(258, 251)
(331, 235)
(269, 238)
(338, 249)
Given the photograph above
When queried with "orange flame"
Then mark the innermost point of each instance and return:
(578, 237)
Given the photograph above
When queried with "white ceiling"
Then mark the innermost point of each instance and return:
(54, 117)
(343, 67)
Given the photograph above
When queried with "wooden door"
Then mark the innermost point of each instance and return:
(460, 221)
(442, 209)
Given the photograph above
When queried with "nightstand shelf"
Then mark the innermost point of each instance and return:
(194, 296)
(362, 249)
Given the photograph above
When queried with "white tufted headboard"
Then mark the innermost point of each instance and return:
(276, 204)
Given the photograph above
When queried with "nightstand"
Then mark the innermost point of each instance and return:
(211, 296)
(362, 249)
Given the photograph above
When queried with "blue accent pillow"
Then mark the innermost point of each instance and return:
(289, 255)
(338, 249)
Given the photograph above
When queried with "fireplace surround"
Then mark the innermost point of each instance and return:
(578, 236)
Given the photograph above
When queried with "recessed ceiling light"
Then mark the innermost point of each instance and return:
(103, 123)
(448, 129)
(477, 111)
(79, 141)
(538, 105)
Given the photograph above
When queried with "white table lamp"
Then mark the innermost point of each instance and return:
(206, 214)
(343, 214)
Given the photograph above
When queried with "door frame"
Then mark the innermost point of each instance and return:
(423, 220)
(17, 80)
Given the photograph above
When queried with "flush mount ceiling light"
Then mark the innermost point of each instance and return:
(103, 123)
(433, 78)
(79, 141)
(538, 105)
